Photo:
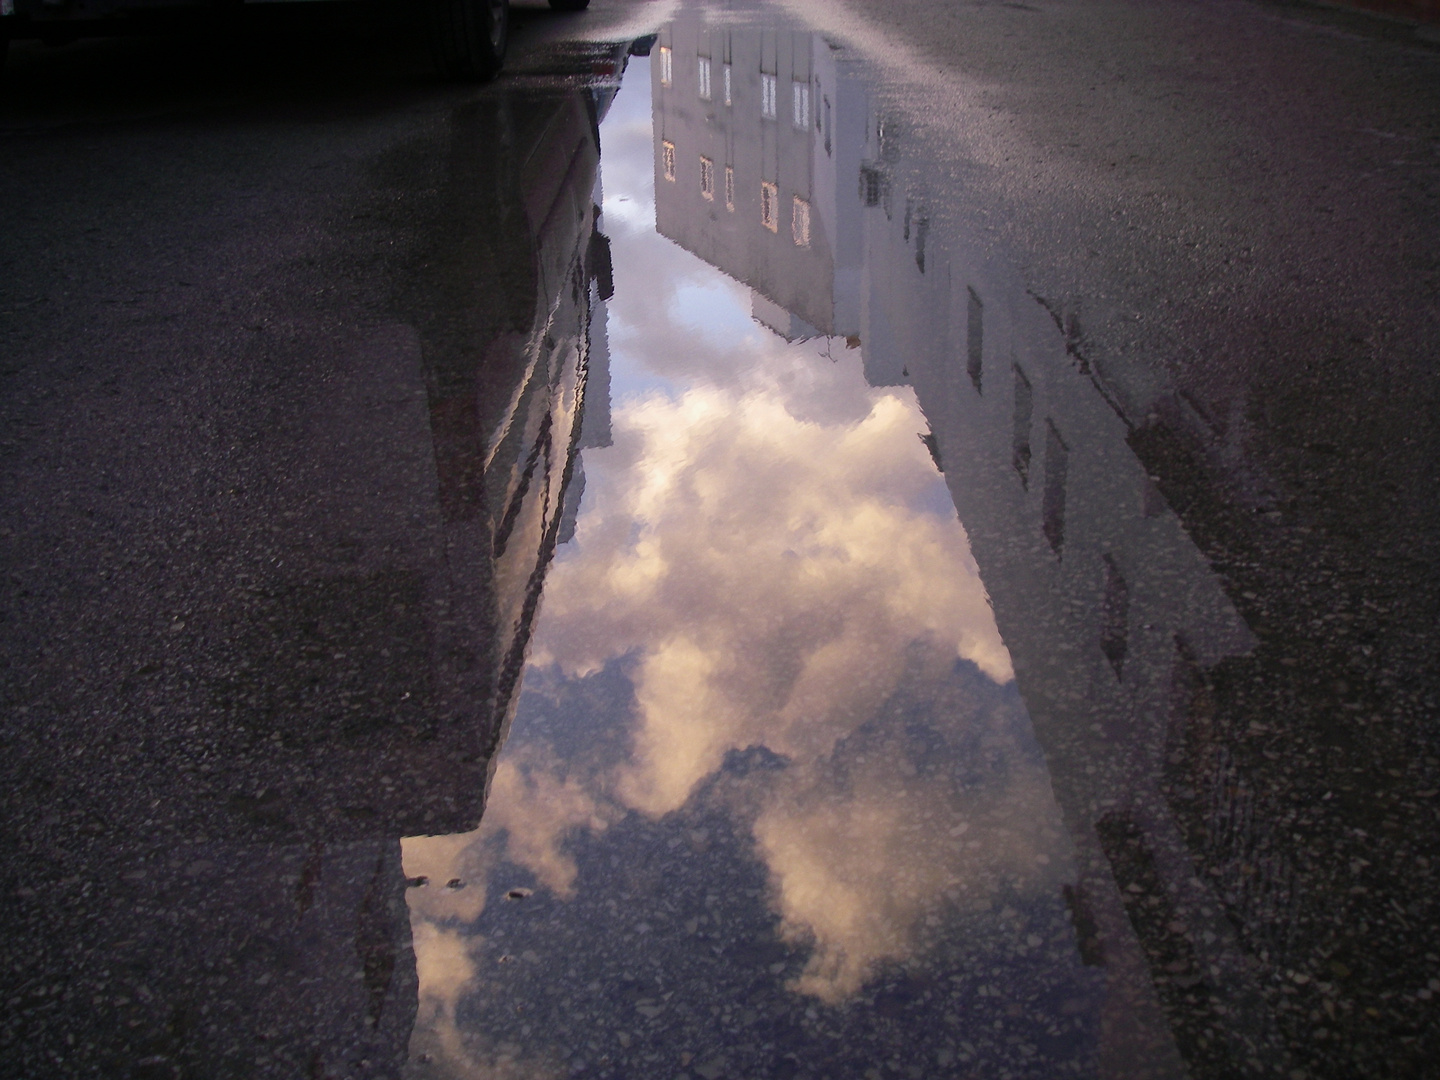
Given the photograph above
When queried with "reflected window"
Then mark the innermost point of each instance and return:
(1052, 508)
(800, 105)
(707, 178)
(1115, 618)
(667, 69)
(767, 96)
(725, 83)
(975, 340)
(1020, 439)
(769, 209)
(704, 77)
(667, 159)
(729, 187)
(800, 222)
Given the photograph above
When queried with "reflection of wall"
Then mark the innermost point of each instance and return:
(781, 127)
(353, 614)
(1103, 600)
(1106, 605)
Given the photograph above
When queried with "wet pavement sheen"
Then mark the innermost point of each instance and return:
(622, 574)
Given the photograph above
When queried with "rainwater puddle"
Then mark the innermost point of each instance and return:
(773, 802)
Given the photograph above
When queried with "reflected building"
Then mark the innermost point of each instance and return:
(750, 151)
(205, 801)
(1111, 612)
(1105, 604)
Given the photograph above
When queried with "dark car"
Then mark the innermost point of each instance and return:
(468, 37)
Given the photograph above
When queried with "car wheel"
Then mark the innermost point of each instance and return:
(569, 5)
(469, 37)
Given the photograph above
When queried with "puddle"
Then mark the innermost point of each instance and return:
(839, 782)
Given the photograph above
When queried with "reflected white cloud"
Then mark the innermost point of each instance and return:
(445, 966)
(446, 969)
(775, 577)
(776, 581)
(769, 549)
(861, 864)
(770, 573)
(442, 1047)
(530, 812)
(536, 808)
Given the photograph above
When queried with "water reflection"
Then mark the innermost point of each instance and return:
(1103, 600)
(771, 775)
(769, 648)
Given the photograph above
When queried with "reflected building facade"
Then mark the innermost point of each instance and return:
(328, 660)
(1112, 614)
(750, 145)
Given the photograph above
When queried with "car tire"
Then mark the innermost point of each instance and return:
(569, 5)
(469, 37)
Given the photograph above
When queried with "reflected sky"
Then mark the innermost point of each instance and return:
(771, 804)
